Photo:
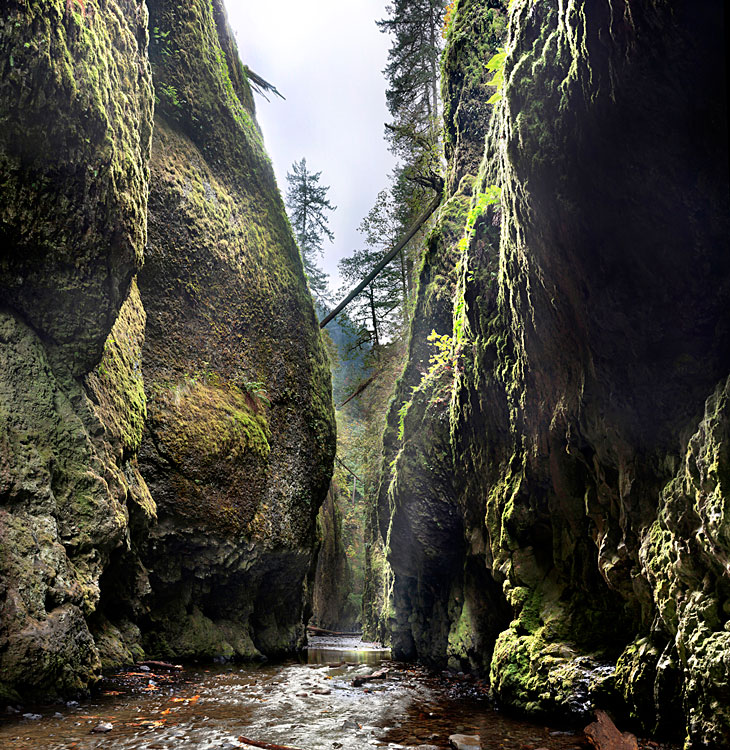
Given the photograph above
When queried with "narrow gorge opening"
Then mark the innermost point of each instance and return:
(364, 374)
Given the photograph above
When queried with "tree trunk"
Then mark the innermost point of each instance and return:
(404, 282)
(371, 297)
(434, 71)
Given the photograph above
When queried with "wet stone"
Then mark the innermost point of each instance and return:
(465, 742)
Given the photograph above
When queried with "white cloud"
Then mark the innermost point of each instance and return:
(327, 59)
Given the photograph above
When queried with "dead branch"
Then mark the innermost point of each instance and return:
(161, 665)
(381, 674)
(347, 468)
(261, 85)
(358, 390)
(323, 631)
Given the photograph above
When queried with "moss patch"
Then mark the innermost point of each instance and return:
(74, 144)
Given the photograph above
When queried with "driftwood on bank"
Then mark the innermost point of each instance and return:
(265, 745)
(381, 674)
(323, 631)
(603, 735)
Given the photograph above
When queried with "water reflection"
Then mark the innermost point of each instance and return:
(344, 651)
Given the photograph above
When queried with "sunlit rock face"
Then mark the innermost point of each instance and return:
(212, 353)
(588, 421)
(239, 441)
(76, 102)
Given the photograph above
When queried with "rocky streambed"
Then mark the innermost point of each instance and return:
(311, 704)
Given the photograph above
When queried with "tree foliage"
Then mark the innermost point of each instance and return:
(412, 69)
(308, 206)
(376, 309)
(381, 229)
(381, 308)
(413, 95)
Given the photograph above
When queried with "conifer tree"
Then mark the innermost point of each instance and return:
(412, 94)
(307, 202)
(372, 310)
(381, 307)
(413, 60)
(381, 228)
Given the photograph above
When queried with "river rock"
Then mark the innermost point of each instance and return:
(604, 735)
(465, 741)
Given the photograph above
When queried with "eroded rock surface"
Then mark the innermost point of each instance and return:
(590, 337)
(240, 438)
(214, 373)
(76, 102)
(332, 605)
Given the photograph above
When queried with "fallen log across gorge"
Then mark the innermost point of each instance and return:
(323, 631)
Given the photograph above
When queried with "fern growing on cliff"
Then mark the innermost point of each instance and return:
(255, 392)
(496, 67)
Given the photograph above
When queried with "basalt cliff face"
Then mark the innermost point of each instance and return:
(166, 430)
(240, 439)
(565, 526)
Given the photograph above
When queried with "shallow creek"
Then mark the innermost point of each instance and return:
(309, 704)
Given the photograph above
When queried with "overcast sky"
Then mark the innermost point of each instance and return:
(326, 58)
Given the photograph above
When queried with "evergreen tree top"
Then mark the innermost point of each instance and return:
(307, 202)
(308, 206)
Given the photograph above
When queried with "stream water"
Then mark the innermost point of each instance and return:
(309, 704)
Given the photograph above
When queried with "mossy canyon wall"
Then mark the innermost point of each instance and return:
(555, 508)
(166, 425)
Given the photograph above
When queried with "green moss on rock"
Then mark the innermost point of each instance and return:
(63, 491)
(74, 142)
(76, 102)
(591, 492)
(239, 444)
(116, 383)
